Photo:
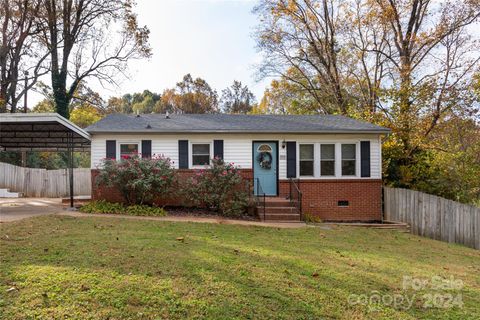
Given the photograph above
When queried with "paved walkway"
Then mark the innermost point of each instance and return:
(12, 209)
(189, 219)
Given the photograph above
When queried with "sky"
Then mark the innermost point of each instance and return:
(210, 39)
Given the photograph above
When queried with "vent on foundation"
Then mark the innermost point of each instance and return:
(343, 203)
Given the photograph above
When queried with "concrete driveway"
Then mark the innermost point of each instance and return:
(12, 209)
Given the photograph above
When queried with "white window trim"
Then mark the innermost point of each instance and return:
(338, 159)
(334, 160)
(190, 153)
(120, 142)
(314, 160)
(357, 154)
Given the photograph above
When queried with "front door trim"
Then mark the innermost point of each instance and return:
(278, 168)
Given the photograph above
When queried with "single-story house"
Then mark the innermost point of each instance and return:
(334, 161)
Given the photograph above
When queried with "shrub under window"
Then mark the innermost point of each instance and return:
(219, 188)
(348, 159)
(306, 159)
(141, 181)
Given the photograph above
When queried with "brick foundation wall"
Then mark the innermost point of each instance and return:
(320, 198)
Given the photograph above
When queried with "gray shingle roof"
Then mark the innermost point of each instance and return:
(177, 123)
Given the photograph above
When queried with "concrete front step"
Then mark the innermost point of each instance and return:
(77, 200)
(280, 217)
(278, 210)
(284, 203)
(5, 193)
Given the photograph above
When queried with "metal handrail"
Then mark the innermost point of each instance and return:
(296, 197)
(260, 194)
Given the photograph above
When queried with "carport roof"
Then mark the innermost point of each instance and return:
(40, 132)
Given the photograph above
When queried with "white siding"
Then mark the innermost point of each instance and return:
(376, 158)
(98, 150)
(167, 148)
(238, 147)
(238, 151)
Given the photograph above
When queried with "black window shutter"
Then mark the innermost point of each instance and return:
(111, 149)
(183, 154)
(291, 159)
(146, 148)
(365, 158)
(218, 148)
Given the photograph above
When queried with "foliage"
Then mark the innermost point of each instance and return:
(220, 188)
(70, 41)
(189, 96)
(311, 218)
(449, 168)
(86, 106)
(104, 38)
(44, 106)
(237, 99)
(85, 115)
(283, 97)
(141, 102)
(21, 58)
(103, 206)
(140, 180)
(46, 160)
(411, 66)
(99, 268)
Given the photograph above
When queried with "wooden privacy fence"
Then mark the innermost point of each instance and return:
(44, 183)
(434, 217)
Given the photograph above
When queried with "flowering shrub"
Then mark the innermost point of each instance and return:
(220, 188)
(139, 180)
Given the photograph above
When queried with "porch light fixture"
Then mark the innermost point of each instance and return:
(284, 143)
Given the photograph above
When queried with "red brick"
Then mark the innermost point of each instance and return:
(319, 197)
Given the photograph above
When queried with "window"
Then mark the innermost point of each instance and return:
(306, 159)
(327, 160)
(348, 159)
(200, 154)
(128, 149)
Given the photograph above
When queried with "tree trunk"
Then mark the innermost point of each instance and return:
(62, 101)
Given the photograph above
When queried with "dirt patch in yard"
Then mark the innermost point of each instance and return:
(203, 213)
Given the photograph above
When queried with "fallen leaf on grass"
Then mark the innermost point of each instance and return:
(182, 239)
(12, 289)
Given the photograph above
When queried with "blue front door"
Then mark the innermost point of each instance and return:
(265, 167)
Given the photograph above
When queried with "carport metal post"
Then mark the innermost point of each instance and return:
(70, 165)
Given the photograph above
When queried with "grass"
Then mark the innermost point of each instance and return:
(107, 268)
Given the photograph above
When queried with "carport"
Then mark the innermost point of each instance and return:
(43, 132)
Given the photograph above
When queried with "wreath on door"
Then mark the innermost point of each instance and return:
(265, 160)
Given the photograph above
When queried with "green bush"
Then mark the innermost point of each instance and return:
(103, 206)
(140, 180)
(219, 188)
(311, 218)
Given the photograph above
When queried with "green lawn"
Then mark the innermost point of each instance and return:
(107, 268)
